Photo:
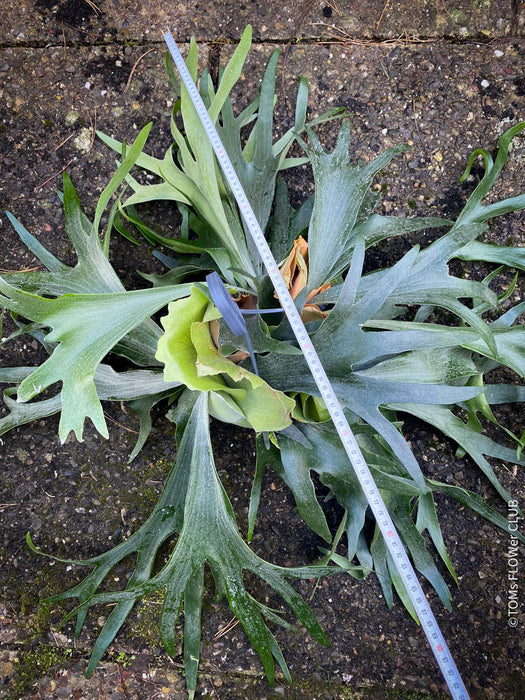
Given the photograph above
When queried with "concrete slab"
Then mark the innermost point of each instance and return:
(388, 19)
(444, 98)
(49, 22)
(41, 22)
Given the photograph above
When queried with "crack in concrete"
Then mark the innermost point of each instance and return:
(217, 44)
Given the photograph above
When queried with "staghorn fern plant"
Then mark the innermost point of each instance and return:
(409, 339)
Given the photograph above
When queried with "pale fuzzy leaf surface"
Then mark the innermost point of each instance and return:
(344, 345)
(197, 181)
(477, 446)
(257, 166)
(340, 190)
(132, 386)
(194, 504)
(511, 256)
(327, 458)
(132, 153)
(93, 272)
(85, 327)
(508, 342)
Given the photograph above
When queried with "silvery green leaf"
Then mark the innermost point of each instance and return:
(475, 445)
(85, 327)
(195, 505)
(474, 209)
(287, 223)
(340, 188)
(92, 273)
(512, 256)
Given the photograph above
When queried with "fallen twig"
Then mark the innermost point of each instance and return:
(93, 123)
(63, 142)
(345, 38)
(135, 66)
(94, 7)
(387, 3)
(227, 628)
(39, 187)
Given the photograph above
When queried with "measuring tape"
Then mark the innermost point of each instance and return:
(392, 540)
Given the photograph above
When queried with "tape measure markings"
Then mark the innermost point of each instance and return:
(392, 539)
